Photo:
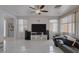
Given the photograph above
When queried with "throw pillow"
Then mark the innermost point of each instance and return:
(61, 42)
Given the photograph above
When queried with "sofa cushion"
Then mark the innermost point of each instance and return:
(68, 42)
(61, 42)
(70, 38)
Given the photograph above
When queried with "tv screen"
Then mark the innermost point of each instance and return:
(38, 27)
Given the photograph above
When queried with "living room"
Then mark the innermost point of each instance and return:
(26, 29)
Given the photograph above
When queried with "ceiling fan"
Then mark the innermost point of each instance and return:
(39, 9)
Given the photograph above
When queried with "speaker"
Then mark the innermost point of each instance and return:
(27, 35)
(47, 32)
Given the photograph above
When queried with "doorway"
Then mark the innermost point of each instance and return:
(9, 27)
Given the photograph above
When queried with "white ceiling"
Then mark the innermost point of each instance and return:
(24, 10)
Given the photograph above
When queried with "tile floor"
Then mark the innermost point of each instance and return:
(29, 46)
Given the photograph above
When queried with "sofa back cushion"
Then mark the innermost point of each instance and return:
(67, 42)
(70, 38)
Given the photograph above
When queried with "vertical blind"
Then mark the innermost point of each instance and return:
(67, 24)
(22, 24)
(54, 25)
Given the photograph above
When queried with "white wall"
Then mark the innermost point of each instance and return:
(1, 26)
(34, 20)
(30, 20)
(3, 15)
(38, 20)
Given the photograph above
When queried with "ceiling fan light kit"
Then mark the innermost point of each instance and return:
(39, 9)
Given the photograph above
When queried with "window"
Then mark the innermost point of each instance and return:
(53, 25)
(20, 23)
(25, 24)
(67, 24)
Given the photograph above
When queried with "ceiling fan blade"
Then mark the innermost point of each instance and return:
(58, 6)
(32, 8)
(42, 6)
(44, 11)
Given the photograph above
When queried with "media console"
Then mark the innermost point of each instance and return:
(38, 32)
(36, 35)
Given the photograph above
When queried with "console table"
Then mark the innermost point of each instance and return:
(38, 37)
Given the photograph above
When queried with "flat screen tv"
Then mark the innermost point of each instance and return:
(38, 27)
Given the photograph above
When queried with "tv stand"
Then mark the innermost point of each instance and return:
(39, 36)
(36, 35)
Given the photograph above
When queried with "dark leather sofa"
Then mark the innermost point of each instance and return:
(65, 45)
